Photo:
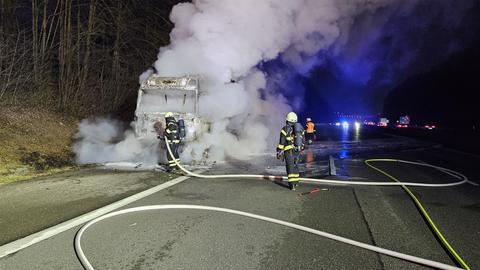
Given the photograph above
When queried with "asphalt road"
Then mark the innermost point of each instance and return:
(383, 216)
(30, 206)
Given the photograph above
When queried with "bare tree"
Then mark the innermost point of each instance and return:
(84, 55)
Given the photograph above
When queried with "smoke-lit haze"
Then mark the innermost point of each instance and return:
(381, 48)
(243, 41)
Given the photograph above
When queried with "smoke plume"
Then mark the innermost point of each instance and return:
(104, 140)
(228, 43)
(226, 40)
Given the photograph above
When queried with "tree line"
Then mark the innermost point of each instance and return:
(81, 57)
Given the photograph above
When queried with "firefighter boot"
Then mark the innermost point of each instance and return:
(291, 185)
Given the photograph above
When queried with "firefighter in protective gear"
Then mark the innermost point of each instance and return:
(173, 135)
(310, 131)
(286, 148)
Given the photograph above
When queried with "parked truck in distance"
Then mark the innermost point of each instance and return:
(383, 122)
(403, 122)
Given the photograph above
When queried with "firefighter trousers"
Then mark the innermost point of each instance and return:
(171, 160)
(309, 137)
(292, 168)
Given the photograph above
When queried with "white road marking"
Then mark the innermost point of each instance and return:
(333, 170)
(27, 241)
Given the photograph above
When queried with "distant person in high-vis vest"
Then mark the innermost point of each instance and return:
(310, 131)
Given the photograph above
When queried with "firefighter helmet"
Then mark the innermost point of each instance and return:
(292, 117)
(168, 114)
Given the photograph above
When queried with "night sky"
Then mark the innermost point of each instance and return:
(415, 42)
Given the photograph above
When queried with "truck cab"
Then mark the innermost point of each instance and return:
(158, 95)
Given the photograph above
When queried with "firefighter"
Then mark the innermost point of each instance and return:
(172, 133)
(310, 131)
(288, 150)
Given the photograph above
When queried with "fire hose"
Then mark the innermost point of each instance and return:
(87, 265)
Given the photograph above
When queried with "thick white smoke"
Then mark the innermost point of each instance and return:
(224, 41)
(103, 140)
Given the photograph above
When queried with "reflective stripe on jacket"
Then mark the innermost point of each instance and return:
(286, 138)
(171, 132)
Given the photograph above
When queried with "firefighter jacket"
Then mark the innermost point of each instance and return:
(310, 127)
(172, 131)
(287, 138)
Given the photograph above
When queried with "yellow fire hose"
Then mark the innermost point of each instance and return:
(422, 210)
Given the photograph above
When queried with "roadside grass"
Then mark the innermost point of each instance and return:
(34, 142)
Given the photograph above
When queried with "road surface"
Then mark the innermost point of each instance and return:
(382, 216)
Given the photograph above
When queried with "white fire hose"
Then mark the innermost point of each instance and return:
(327, 181)
(438, 265)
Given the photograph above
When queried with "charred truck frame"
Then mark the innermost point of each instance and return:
(158, 95)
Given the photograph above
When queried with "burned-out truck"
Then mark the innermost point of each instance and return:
(158, 95)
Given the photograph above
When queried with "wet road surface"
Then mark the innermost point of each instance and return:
(382, 216)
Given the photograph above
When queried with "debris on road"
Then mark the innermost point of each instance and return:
(313, 190)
